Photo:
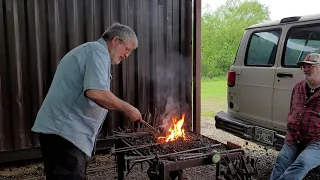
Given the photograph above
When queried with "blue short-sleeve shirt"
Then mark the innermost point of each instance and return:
(66, 111)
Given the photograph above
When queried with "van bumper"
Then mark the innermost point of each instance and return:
(233, 125)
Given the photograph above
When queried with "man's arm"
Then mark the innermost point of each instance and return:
(96, 85)
(108, 100)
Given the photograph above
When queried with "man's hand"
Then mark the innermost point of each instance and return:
(132, 113)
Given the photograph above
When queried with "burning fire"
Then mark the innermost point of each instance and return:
(175, 131)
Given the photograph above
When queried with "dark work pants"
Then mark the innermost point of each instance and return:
(62, 160)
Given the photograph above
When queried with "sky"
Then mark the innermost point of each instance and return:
(279, 8)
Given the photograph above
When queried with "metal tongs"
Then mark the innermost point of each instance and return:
(145, 121)
(149, 126)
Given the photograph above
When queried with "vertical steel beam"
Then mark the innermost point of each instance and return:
(196, 65)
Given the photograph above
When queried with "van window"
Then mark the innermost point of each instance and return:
(300, 42)
(262, 48)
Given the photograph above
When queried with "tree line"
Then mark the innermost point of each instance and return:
(222, 30)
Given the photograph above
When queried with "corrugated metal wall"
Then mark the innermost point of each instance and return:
(36, 34)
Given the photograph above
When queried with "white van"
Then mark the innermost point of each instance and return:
(264, 72)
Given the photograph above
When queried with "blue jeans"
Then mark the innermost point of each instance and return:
(294, 162)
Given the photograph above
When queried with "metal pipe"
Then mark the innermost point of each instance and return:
(151, 156)
(131, 148)
(131, 134)
(197, 66)
(189, 150)
(125, 142)
(196, 156)
(139, 153)
(126, 135)
(231, 151)
(149, 126)
(175, 153)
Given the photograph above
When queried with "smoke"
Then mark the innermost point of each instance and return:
(172, 109)
(171, 81)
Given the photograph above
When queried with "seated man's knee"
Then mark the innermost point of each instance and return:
(305, 162)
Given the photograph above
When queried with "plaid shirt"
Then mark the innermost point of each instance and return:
(304, 116)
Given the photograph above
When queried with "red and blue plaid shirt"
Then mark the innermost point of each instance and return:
(303, 124)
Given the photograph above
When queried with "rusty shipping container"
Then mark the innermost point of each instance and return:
(36, 34)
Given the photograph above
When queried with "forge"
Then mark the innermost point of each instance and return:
(169, 153)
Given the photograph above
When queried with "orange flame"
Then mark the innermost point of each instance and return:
(176, 131)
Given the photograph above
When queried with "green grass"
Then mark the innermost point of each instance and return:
(213, 96)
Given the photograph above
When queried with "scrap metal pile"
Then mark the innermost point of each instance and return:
(167, 157)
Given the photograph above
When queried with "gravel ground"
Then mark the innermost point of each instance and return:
(105, 163)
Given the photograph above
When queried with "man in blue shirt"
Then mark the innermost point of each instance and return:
(78, 101)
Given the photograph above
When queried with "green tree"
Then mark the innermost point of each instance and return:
(222, 31)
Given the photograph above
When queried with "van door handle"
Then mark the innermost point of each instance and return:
(284, 75)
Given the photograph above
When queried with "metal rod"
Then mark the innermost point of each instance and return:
(198, 156)
(179, 155)
(131, 148)
(154, 117)
(136, 151)
(120, 161)
(231, 151)
(189, 150)
(146, 124)
(125, 142)
(175, 153)
(192, 157)
(131, 134)
(149, 126)
(137, 157)
(197, 66)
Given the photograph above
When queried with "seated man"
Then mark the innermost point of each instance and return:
(301, 150)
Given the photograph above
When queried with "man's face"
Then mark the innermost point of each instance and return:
(120, 50)
(310, 71)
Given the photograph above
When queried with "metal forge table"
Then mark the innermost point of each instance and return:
(167, 160)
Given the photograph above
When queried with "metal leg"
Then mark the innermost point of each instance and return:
(164, 172)
(175, 174)
(217, 170)
(120, 161)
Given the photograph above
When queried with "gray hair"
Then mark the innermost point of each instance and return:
(125, 33)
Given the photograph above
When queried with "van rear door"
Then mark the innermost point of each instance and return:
(256, 79)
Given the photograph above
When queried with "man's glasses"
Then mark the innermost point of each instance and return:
(307, 66)
(127, 49)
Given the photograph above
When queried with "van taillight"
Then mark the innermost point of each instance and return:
(231, 78)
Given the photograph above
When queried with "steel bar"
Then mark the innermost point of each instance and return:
(125, 142)
(138, 157)
(120, 161)
(131, 134)
(197, 156)
(178, 165)
(154, 117)
(231, 151)
(175, 153)
(131, 148)
(189, 150)
(127, 135)
(136, 151)
(178, 156)
(190, 154)
(149, 126)
(197, 66)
